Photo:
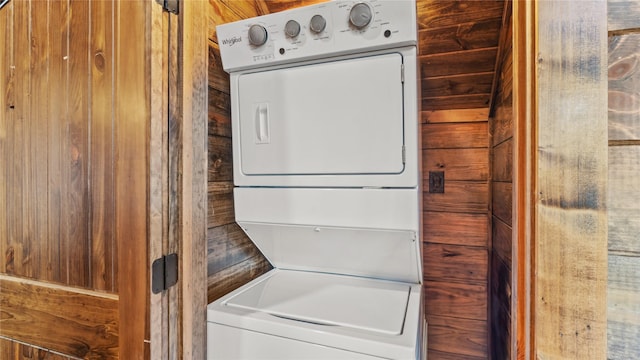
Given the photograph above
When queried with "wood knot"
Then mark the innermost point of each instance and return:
(99, 61)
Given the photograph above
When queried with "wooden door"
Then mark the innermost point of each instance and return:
(74, 168)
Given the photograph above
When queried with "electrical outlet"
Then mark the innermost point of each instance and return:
(436, 182)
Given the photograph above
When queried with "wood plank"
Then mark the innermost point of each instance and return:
(219, 113)
(281, 5)
(19, 244)
(456, 300)
(38, 171)
(502, 122)
(455, 228)
(458, 62)
(623, 306)
(457, 164)
(458, 196)
(456, 101)
(444, 262)
(228, 245)
(193, 204)
(455, 115)
(462, 337)
(441, 13)
(131, 123)
(103, 246)
(78, 161)
(502, 201)
(4, 124)
(463, 84)
(500, 331)
(570, 249)
(624, 200)
(220, 207)
(624, 82)
(18, 351)
(231, 278)
(220, 159)
(502, 162)
(502, 240)
(440, 355)
(41, 307)
(623, 14)
(500, 288)
(462, 36)
(218, 78)
(56, 146)
(455, 136)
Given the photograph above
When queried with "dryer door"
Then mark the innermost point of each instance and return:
(334, 118)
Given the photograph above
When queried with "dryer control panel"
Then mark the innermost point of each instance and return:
(317, 31)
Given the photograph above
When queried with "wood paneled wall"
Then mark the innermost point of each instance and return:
(502, 142)
(623, 286)
(459, 42)
(458, 49)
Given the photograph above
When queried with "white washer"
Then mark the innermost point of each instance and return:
(326, 145)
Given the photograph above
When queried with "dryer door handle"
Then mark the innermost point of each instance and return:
(262, 123)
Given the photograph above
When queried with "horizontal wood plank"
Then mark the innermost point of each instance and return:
(228, 245)
(455, 135)
(462, 337)
(42, 307)
(443, 262)
(455, 228)
(442, 13)
(440, 355)
(502, 201)
(624, 172)
(466, 36)
(464, 301)
(458, 196)
(218, 78)
(623, 14)
(220, 167)
(623, 306)
(623, 85)
(500, 284)
(11, 350)
(457, 164)
(502, 121)
(231, 278)
(219, 113)
(502, 167)
(456, 101)
(465, 84)
(459, 62)
(455, 115)
(220, 208)
(624, 227)
(502, 240)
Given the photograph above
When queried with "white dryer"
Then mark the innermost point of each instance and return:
(326, 145)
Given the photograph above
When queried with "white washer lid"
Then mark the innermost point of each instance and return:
(366, 304)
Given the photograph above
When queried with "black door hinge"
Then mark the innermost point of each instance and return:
(164, 273)
(169, 5)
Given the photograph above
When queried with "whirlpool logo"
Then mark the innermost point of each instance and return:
(231, 41)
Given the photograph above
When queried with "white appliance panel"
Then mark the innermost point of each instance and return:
(330, 300)
(343, 117)
(230, 343)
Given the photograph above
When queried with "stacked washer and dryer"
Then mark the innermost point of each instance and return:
(326, 159)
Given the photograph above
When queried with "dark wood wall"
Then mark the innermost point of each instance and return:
(623, 287)
(501, 135)
(458, 50)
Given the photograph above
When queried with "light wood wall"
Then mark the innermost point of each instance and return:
(623, 286)
(74, 111)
